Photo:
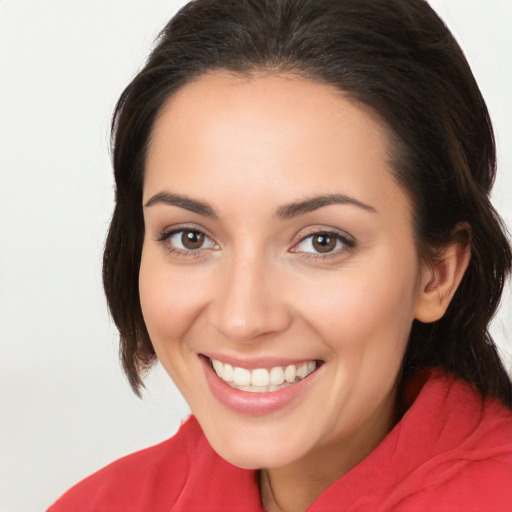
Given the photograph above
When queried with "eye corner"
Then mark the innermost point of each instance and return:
(323, 243)
(186, 241)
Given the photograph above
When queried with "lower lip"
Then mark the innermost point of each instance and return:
(254, 404)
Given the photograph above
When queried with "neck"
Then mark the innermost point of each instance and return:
(295, 487)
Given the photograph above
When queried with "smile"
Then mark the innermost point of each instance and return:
(260, 387)
(262, 380)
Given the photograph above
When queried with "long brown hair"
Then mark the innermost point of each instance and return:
(395, 58)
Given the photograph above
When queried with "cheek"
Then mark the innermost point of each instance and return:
(170, 300)
(366, 307)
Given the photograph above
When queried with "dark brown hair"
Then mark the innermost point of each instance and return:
(397, 59)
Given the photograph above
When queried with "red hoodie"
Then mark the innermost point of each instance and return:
(452, 451)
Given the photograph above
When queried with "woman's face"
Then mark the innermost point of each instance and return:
(277, 245)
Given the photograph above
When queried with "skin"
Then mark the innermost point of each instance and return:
(258, 288)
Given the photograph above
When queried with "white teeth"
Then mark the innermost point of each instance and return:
(227, 372)
(276, 376)
(262, 379)
(241, 376)
(302, 370)
(218, 367)
(289, 373)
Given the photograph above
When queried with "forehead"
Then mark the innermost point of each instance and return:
(274, 110)
(279, 136)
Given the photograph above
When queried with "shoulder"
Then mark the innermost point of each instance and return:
(451, 452)
(151, 476)
(462, 446)
(459, 417)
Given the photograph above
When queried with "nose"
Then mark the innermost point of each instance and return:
(250, 301)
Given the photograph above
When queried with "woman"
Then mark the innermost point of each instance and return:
(304, 239)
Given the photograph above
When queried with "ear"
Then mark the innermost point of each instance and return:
(440, 278)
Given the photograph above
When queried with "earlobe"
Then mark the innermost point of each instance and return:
(441, 278)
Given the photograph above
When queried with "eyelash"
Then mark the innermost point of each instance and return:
(347, 243)
(165, 237)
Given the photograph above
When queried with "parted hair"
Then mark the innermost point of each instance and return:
(395, 58)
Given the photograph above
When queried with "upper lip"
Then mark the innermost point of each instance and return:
(257, 362)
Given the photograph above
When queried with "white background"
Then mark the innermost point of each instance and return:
(65, 408)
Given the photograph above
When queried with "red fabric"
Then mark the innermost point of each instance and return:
(452, 451)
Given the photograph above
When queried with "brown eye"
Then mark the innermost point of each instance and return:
(192, 239)
(184, 241)
(324, 242)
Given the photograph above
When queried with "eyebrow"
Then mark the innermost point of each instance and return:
(314, 203)
(185, 202)
(287, 211)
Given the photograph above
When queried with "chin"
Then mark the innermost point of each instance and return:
(256, 448)
(253, 457)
